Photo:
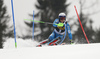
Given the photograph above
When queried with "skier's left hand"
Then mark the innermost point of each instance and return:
(71, 42)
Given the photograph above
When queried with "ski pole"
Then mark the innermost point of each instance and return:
(64, 36)
(38, 21)
(60, 24)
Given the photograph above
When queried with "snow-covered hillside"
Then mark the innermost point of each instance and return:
(28, 51)
(10, 43)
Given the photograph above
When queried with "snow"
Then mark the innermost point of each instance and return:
(10, 43)
(26, 50)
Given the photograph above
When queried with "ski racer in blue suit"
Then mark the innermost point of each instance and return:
(58, 33)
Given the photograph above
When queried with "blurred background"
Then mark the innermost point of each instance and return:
(47, 11)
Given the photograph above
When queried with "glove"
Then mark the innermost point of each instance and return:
(71, 42)
(60, 25)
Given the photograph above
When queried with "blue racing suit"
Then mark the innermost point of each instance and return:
(60, 31)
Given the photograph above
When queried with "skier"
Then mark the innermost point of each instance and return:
(58, 33)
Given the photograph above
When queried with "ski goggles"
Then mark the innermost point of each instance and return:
(62, 17)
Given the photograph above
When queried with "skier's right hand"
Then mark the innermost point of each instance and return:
(60, 25)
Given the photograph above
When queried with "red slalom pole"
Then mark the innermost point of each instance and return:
(81, 24)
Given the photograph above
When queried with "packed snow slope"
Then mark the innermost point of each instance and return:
(78, 51)
(21, 43)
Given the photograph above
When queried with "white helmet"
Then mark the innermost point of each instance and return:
(62, 16)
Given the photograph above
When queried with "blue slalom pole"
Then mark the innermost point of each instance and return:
(33, 26)
(64, 36)
(14, 23)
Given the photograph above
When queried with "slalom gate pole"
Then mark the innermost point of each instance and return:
(81, 24)
(64, 36)
(33, 26)
(14, 23)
